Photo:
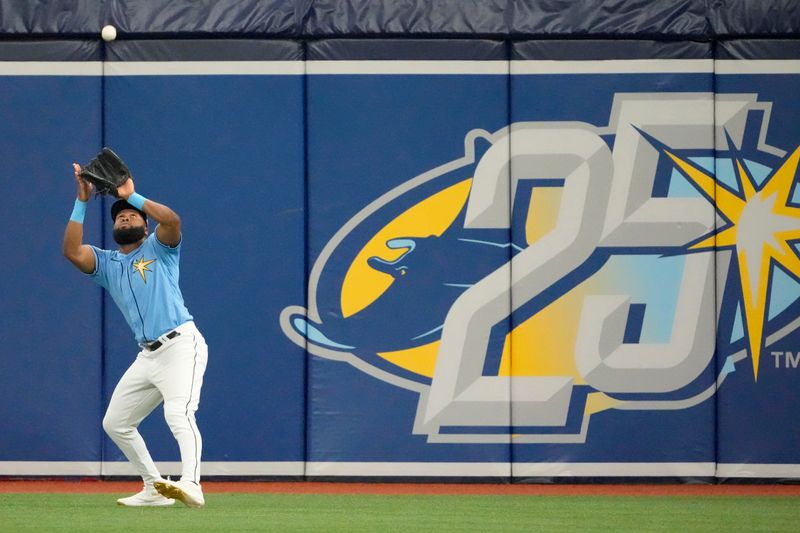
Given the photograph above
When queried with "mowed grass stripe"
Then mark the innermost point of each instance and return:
(439, 513)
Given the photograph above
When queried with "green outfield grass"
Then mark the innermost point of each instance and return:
(355, 513)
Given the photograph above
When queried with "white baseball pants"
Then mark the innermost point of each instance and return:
(173, 374)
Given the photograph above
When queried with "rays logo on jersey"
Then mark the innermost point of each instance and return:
(545, 277)
(141, 266)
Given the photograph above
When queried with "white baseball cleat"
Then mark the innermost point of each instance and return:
(145, 498)
(188, 493)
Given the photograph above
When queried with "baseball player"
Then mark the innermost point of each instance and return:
(142, 278)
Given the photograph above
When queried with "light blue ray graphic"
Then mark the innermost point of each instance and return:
(757, 170)
(729, 367)
(313, 334)
(679, 186)
(738, 326)
(660, 296)
(434, 330)
(725, 173)
(785, 291)
(495, 244)
(707, 163)
(649, 279)
(396, 244)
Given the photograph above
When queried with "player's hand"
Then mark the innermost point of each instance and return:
(126, 189)
(84, 187)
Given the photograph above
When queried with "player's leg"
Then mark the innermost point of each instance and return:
(180, 379)
(133, 399)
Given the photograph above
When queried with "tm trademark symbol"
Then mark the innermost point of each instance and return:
(790, 360)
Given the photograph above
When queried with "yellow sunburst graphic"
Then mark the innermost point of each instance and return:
(141, 267)
(760, 228)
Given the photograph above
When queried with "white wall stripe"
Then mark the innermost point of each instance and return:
(613, 469)
(409, 469)
(51, 68)
(759, 66)
(515, 470)
(407, 67)
(615, 66)
(123, 468)
(50, 468)
(214, 468)
(203, 68)
(758, 470)
(518, 67)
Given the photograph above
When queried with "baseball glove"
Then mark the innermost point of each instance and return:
(106, 172)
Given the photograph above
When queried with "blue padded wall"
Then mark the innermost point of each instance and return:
(226, 153)
(389, 164)
(51, 363)
(758, 401)
(604, 303)
(508, 240)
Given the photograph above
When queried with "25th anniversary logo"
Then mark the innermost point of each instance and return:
(561, 269)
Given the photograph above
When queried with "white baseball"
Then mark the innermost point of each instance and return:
(109, 33)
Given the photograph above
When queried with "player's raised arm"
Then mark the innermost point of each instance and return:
(169, 223)
(79, 254)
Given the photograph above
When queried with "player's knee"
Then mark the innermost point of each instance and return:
(110, 425)
(114, 426)
(178, 417)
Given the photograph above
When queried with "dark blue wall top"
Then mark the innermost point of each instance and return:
(51, 50)
(758, 49)
(204, 50)
(686, 19)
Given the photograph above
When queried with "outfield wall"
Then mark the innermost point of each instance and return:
(420, 257)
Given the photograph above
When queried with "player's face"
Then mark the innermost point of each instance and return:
(128, 218)
(129, 227)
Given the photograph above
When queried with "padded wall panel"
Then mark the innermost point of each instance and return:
(737, 18)
(614, 318)
(623, 18)
(274, 17)
(759, 273)
(416, 17)
(506, 17)
(70, 16)
(223, 146)
(50, 354)
(690, 19)
(392, 149)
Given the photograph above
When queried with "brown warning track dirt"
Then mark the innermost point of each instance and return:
(305, 487)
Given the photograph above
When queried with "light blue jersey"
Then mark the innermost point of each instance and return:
(144, 285)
